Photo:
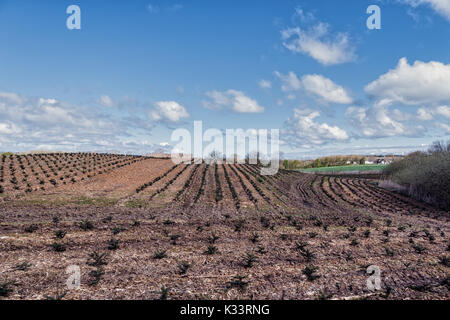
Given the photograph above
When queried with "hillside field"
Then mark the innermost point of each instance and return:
(144, 228)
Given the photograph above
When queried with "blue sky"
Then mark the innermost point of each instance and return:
(139, 69)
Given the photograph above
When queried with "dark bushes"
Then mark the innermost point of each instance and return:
(425, 175)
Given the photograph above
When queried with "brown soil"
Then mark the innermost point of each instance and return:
(287, 222)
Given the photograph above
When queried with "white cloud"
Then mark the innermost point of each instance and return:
(11, 97)
(443, 111)
(9, 128)
(106, 101)
(325, 89)
(444, 126)
(170, 111)
(304, 16)
(302, 130)
(426, 114)
(317, 85)
(235, 100)
(420, 83)
(377, 122)
(319, 43)
(290, 82)
(29, 123)
(291, 96)
(442, 7)
(265, 84)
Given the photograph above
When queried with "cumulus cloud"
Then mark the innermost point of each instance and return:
(234, 100)
(29, 123)
(265, 84)
(106, 101)
(290, 81)
(8, 128)
(419, 83)
(325, 89)
(426, 114)
(169, 111)
(303, 130)
(442, 7)
(378, 122)
(320, 87)
(443, 111)
(319, 43)
(445, 127)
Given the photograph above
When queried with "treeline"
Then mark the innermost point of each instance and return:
(425, 175)
(330, 161)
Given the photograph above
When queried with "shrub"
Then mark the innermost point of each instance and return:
(174, 238)
(284, 236)
(425, 175)
(117, 230)
(96, 276)
(6, 288)
(24, 266)
(60, 234)
(419, 248)
(161, 254)
(389, 252)
(254, 238)
(31, 228)
(113, 244)
(300, 245)
(238, 282)
(168, 222)
(445, 261)
(213, 238)
(107, 219)
(308, 255)
(96, 259)
(183, 267)
(249, 260)
(86, 225)
(58, 296)
(163, 293)
(58, 247)
(310, 271)
(238, 225)
(211, 250)
(136, 223)
(261, 250)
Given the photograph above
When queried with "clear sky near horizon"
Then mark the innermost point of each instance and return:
(136, 70)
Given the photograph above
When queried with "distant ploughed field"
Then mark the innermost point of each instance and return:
(143, 228)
